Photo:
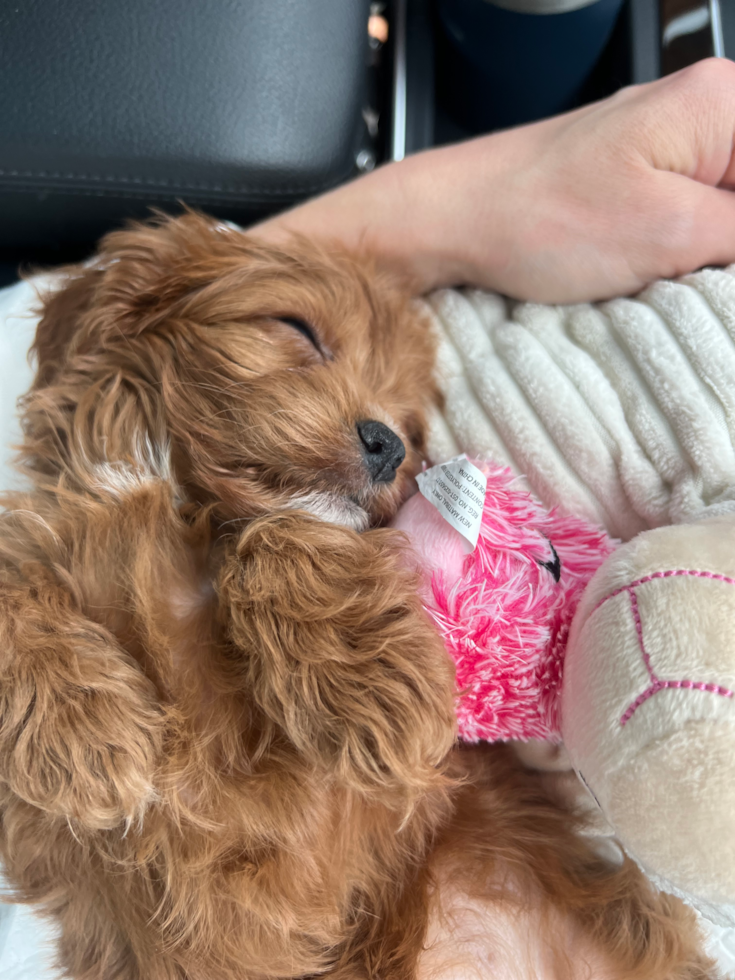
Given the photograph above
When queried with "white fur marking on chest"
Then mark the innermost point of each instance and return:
(333, 508)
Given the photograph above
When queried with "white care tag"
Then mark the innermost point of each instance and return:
(457, 490)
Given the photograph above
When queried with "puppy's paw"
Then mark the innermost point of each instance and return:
(337, 651)
(80, 727)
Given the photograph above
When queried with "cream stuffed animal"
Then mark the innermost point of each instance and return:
(648, 706)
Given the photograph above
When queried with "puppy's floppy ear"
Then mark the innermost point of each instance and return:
(100, 360)
(150, 266)
(338, 653)
(63, 309)
(136, 274)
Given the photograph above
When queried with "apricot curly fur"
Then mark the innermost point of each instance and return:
(227, 736)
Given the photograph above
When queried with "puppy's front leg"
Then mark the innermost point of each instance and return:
(80, 724)
(337, 652)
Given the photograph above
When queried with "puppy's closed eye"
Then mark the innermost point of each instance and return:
(303, 328)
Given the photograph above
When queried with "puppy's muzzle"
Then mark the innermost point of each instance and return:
(382, 450)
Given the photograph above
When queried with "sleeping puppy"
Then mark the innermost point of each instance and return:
(227, 738)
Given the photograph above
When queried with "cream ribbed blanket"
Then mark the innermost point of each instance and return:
(623, 412)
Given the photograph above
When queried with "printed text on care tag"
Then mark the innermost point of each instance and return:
(457, 490)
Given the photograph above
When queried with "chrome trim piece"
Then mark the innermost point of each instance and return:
(398, 125)
(718, 38)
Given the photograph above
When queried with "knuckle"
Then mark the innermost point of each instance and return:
(710, 74)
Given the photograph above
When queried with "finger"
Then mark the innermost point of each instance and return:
(687, 122)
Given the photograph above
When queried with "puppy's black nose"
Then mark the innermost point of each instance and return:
(382, 450)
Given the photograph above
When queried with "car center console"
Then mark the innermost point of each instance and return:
(650, 38)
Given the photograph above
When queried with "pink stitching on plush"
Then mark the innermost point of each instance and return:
(673, 573)
(639, 630)
(656, 683)
(660, 685)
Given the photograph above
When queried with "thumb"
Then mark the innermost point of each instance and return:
(705, 227)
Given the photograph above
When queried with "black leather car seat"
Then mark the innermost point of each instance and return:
(110, 107)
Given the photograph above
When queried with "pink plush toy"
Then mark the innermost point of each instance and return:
(504, 610)
(643, 636)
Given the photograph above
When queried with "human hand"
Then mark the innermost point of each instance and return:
(588, 205)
